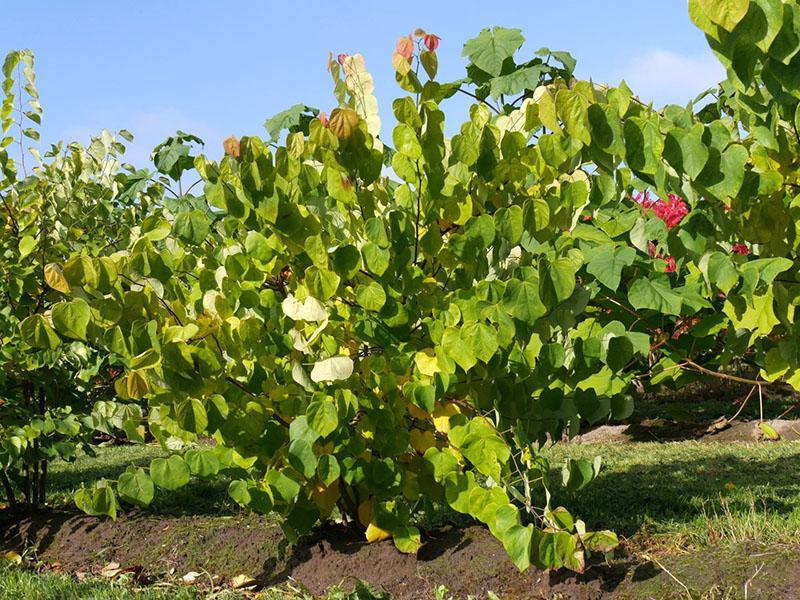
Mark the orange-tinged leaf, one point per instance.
(405, 47)
(231, 145)
(343, 122)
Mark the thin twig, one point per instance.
(667, 571)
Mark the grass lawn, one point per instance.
(662, 498)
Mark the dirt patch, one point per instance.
(468, 561)
(664, 430)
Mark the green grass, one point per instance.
(19, 584)
(654, 493)
(16, 584)
(200, 497)
(700, 494)
(663, 498)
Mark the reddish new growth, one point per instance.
(323, 118)
(341, 58)
(670, 260)
(671, 211)
(684, 325)
(405, 47)
(740, 249)
(431, 41)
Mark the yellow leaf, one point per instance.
(241, 581)
(325, 497)
(365, 512)
(416, 412)
(400, 63)
(136, 385)
(422, 440)
(442, 414)
(426, 362)
(343, 122)
(12, 557)
(55, 278)
(376, 534)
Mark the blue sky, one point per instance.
(221, 68)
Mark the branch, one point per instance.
(481, 100)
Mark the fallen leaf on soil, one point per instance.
(12, 558)
(241, 581)
(110, 570)
(718, 425)
(767, 432)
(190, 578)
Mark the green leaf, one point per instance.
(37, 333)
(655, 295)
(257, 246)
(490, 48)
(191, 415)
(71, 318)
(521, 300)
(371, 296)
(407, 539)
(323, 417)
(302, 458)
(203, 463)
(516, 82)
(454, 347)
(239, 492)
(557, 281)
(328, 469)
(290, 119)
(481, 339)
(79, 271)
(192, 227)
(170, 473)
(606, 264)
(136, 487)
(725, 13)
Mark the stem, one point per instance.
(10, 496)
(42, 483)
(21, 116)
(419, 210)
(481, 100)
(14, 224)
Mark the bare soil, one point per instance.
(665, 430)
(468, 561)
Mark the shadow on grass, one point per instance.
(675, 494)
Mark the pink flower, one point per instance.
(740, 249)
(670, 211)
(643, 199)
(652, 247)
(431, 41)
(670, 268)
(586, 218)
